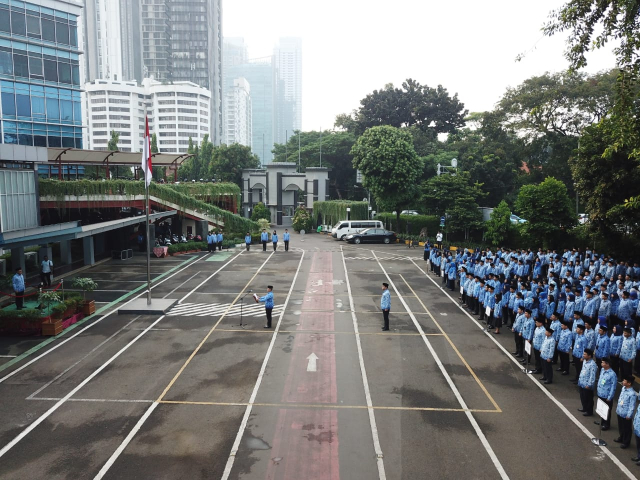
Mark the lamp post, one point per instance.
(575, 187)
(348, 213)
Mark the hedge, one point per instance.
(332, 211)
(418, 222)
(58, 189)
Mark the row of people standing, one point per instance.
(214, 240)
(264, 239)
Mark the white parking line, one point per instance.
(589, 434)
(456, 392)
(367, 393)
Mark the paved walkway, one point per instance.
(323, 395)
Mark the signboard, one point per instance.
(527, 347)
(602, 409)
(461, 290)
(442, 221)
(487, 311)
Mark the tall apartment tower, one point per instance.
(112, 42)
(237, 109)
(182, 41)
(287, 62)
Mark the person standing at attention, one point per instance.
(268, 304)
(211, 240)
(626, 405)
(219, 239)
(46, 270)
(274, 240)
(264, 238)
(385, 305)
(18, 288)
(285, 237)
(247, 240)
(439, 240)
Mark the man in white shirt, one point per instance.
(439, 240)
(46, 270)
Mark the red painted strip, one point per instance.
(318, 302)
(305, 446)
(318, 321)
(322, 262)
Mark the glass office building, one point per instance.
(40, 74)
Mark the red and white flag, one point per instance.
(146, 155)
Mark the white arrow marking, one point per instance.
(311, 366)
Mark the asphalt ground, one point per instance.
(325, 394)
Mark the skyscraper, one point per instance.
(112, 43)
(40, 77)
(287, 62)
(237, 108)
(182, 41)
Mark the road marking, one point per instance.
(8, 356)
(584, 429)
(65, 371)
(94, 400)
(455, 349)
(187, 280)
(247, 413)
(372, 417)
(456, 392)
(112, 459)
(48, 413)
(43, 344)
(215, 309)
(312, 364)
(60, 402)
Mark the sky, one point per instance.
(352, 47)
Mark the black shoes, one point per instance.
(547, 382)
(267, 326)
(384, 329)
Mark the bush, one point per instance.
(302, 220)
(261, 212)
(418, 222)
(264, 224)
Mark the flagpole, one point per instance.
(148, 248)
(147, 183)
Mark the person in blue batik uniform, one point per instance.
(285, 237)
(546, 354)
(268, 304)
(616, 345)
(247, 240)
(636, 431)
(586, 382)
(385, 305)
(626, 404)
(518, 324)
(606, 390)
(627, 353)
(219, 238)
(564, 346)
(603, 344)
(589, 333)
(538, 340)
(274, 240)
(264, 238)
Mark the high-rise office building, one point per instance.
(40, 76)
(176, 112)
(259, 74)
(287, 63)
(237, 107)
(182, 41)
(112, 40)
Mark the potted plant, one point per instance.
(51, 326)
(86, 285)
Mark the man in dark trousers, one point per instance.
(264, 238)
(18, 288)
(268, 304)
(385, 305)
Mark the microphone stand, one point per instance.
(241, 306)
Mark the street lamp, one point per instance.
(348, 213)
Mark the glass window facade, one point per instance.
(39, 76)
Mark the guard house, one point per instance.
(281, 189)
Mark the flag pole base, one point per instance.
(139, 306)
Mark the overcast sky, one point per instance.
(352, 47)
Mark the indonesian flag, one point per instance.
(146, 154)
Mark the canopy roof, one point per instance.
(75, 156)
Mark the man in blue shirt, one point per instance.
(564, 346)
(264, 238)
(546, 354)
(274, 240)
(247, 240)
(385, 306)
(606, 390)
(219, 239)
(603, 344)
(285, 237)
(18, 288)
(627, 353)
(586, 382)
(268, 304)
(626, 404)
(211, 241)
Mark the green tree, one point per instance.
(260, 211)
(389, 165)
(228, 161)
(499, 226)
(302, 220)
(336, 154)
(154, 144)
(547, 209)
(429, 109)
(440, 193)
(113, 141)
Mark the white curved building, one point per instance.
(176, 111)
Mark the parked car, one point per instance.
(583, 218)
(372, 235)
(347, 227)
(409, 212)
(516, 219)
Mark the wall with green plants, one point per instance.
(59, 189)
(332, 211)
(418, 222)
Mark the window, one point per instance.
(98, 117)
(50, 70)
(6, 63)
(191, 95)
(64, 72)
(119, 109)
(119, 100)
(8, 104)
(166, 110)
(100, 140)
(33, 26)
(23, 104)
(188, 127)
(120, 125)
(100, 133)
(66, 110)
(5, 20)
(48, 30)
(99, 109)
(99, 100)
(73, 35)
(167, 102)
(20, 65)
(35, 67)
(186, 119)
(165, 94)
(18, 23)
(118, 94)
(186, 102)
(168, 142)
(62, 33)
(37, 108)
(188, 110)
(53, 110)
(99, 125)
(119, 117)
(167, 119)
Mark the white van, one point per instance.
(347, 227)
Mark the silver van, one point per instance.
(346, 227)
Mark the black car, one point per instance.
(372, 235)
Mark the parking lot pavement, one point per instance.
(206, 392)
